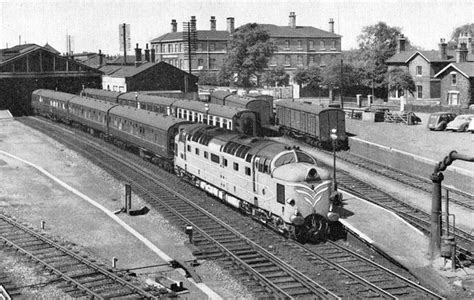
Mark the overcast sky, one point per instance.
(93, 24)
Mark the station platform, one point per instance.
(5, 114)
(391, 235)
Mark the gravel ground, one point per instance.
(31, 197)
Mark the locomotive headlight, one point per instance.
(290, 201)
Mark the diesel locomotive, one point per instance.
(279, 185)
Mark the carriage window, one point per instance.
(247, 171)
(215, 158)
(236, 166)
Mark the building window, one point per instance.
(321, 45)
(453, 79)
(272, 61)
(311, 45)
(419, 70)
(199, 47)
(212, 63)
(287, 60)
(176, 47)
(200, 62)
(453, 98)
(300, 45)
(170, 48)
(333, 45)
(300, 60)
(419, 92)
(287, 45)
(212, 47)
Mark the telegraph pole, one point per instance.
(124, 44)
(342, 100)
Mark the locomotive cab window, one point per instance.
(280, 193)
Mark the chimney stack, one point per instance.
(443, 54)
(230, 25)
(101, 58)
(331, 25)
(174, 25)
(147, 54)
(401, 43)
(138, 55)
(153, 59)
(461, 53)
(292, 20)
(213, 23)
(193, 23)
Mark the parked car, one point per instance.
(460, 123)
(439, 120)
(470, 128)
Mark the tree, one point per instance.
(248, 55)
(377, 43)
(400, 80)
(466, 28)
(208, 78)
(310, 76)
(276, 77)
(331, 75)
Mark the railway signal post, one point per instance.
(334, 139)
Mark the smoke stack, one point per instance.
(230, 25)
(153, 59)
(331, 25)
(213, 23)
(461, 53)
(401, 43)
(138, 55)
(292, 20)
(174, 25)
(443, 54)
(147, 54)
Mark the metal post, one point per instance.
(342, 100)
(447, 212)
(114, 262)
(334, 138)
(128, 198)
(124, 45)
(435, 241)
(42, 224)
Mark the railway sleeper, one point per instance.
(293, 288)
(52, 259)
(256, 260)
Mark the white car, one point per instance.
(460, 123)
(471, 126)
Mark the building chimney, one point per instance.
(461, 53)
(230, 25)
(153, 59)
(193, 23)
(174, 25)
(443, 54)
(147, 54)
(401, 43)
(331, 25)
(213, 23)
(101, 58)
(138, 55)
(292, 20)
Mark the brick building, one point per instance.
(296, 46)
(25, 68)
(423, 67)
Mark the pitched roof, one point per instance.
(299, 31)
(201, 35)
(119, 60)
(8, 53)
(51, 49)
(130, 70)
(465, 68)
(430, 56)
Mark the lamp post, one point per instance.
(206, 108)
(334, 138)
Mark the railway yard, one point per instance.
(66, 189)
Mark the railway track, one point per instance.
(265, 273)
(416, 217)
(74, 274)
(455, 196)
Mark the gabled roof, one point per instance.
(131, 70)
(9, 53)
(430, 56)
(465, 68)
(51, 49)
(299, 31)
(202, 35)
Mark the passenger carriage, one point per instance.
(110, 96)
(52, 104)
(92, 114)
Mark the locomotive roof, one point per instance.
(214, 109)
(92, 103)
(102, 92)
(303, 106)
(54, 94)
(236, 144)
(145, 117)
